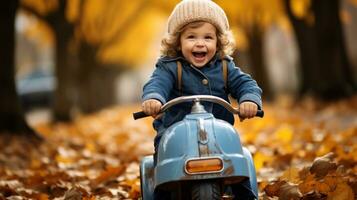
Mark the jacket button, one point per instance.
(204, 81)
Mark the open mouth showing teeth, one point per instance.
(199, 54)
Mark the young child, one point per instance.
(199, 38)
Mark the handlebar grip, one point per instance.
(260, 113)
(138, 115)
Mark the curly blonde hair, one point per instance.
(170, 44)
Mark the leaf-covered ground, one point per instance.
(302, 150)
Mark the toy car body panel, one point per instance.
(199, 136)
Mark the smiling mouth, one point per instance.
(199, 54)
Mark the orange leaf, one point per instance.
(289, 191)
(342, 192)
(322, 165)
(107, 174)
(272, 189)
(291, 175)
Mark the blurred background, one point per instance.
(73, 57)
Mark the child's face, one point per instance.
(199, 44)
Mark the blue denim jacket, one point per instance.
(207, 80)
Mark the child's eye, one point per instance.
(190, 37)
(209, 37)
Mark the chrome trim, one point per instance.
(202, 134)
(197, 107)
(204, 158)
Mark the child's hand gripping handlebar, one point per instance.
(209, 98)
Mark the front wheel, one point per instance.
(205, 190)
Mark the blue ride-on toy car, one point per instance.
(200, 157)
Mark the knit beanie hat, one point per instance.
(188, 11)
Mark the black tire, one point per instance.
(205, 191)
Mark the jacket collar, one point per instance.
(172, 59)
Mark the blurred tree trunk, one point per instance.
(11, 116)
(95, 81)
(257, 59)
(96, 87)
(64, 67)
(325, 70)
(65, 70)
(334, 63)
(307, 50)
(80, 78)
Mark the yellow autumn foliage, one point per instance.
(42, 6)
(128, 31)
(300, 7)
(139, 42)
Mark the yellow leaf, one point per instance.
(284, 134)
(91, 147)
(260, 159)
(64, 159)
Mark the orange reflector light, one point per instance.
(206, 165)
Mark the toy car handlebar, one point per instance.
(139, 115)
(209, 98)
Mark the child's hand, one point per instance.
(151, 107)
(247, 110)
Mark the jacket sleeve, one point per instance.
(242, 86)
(160, 83)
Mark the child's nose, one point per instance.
(200, 42)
